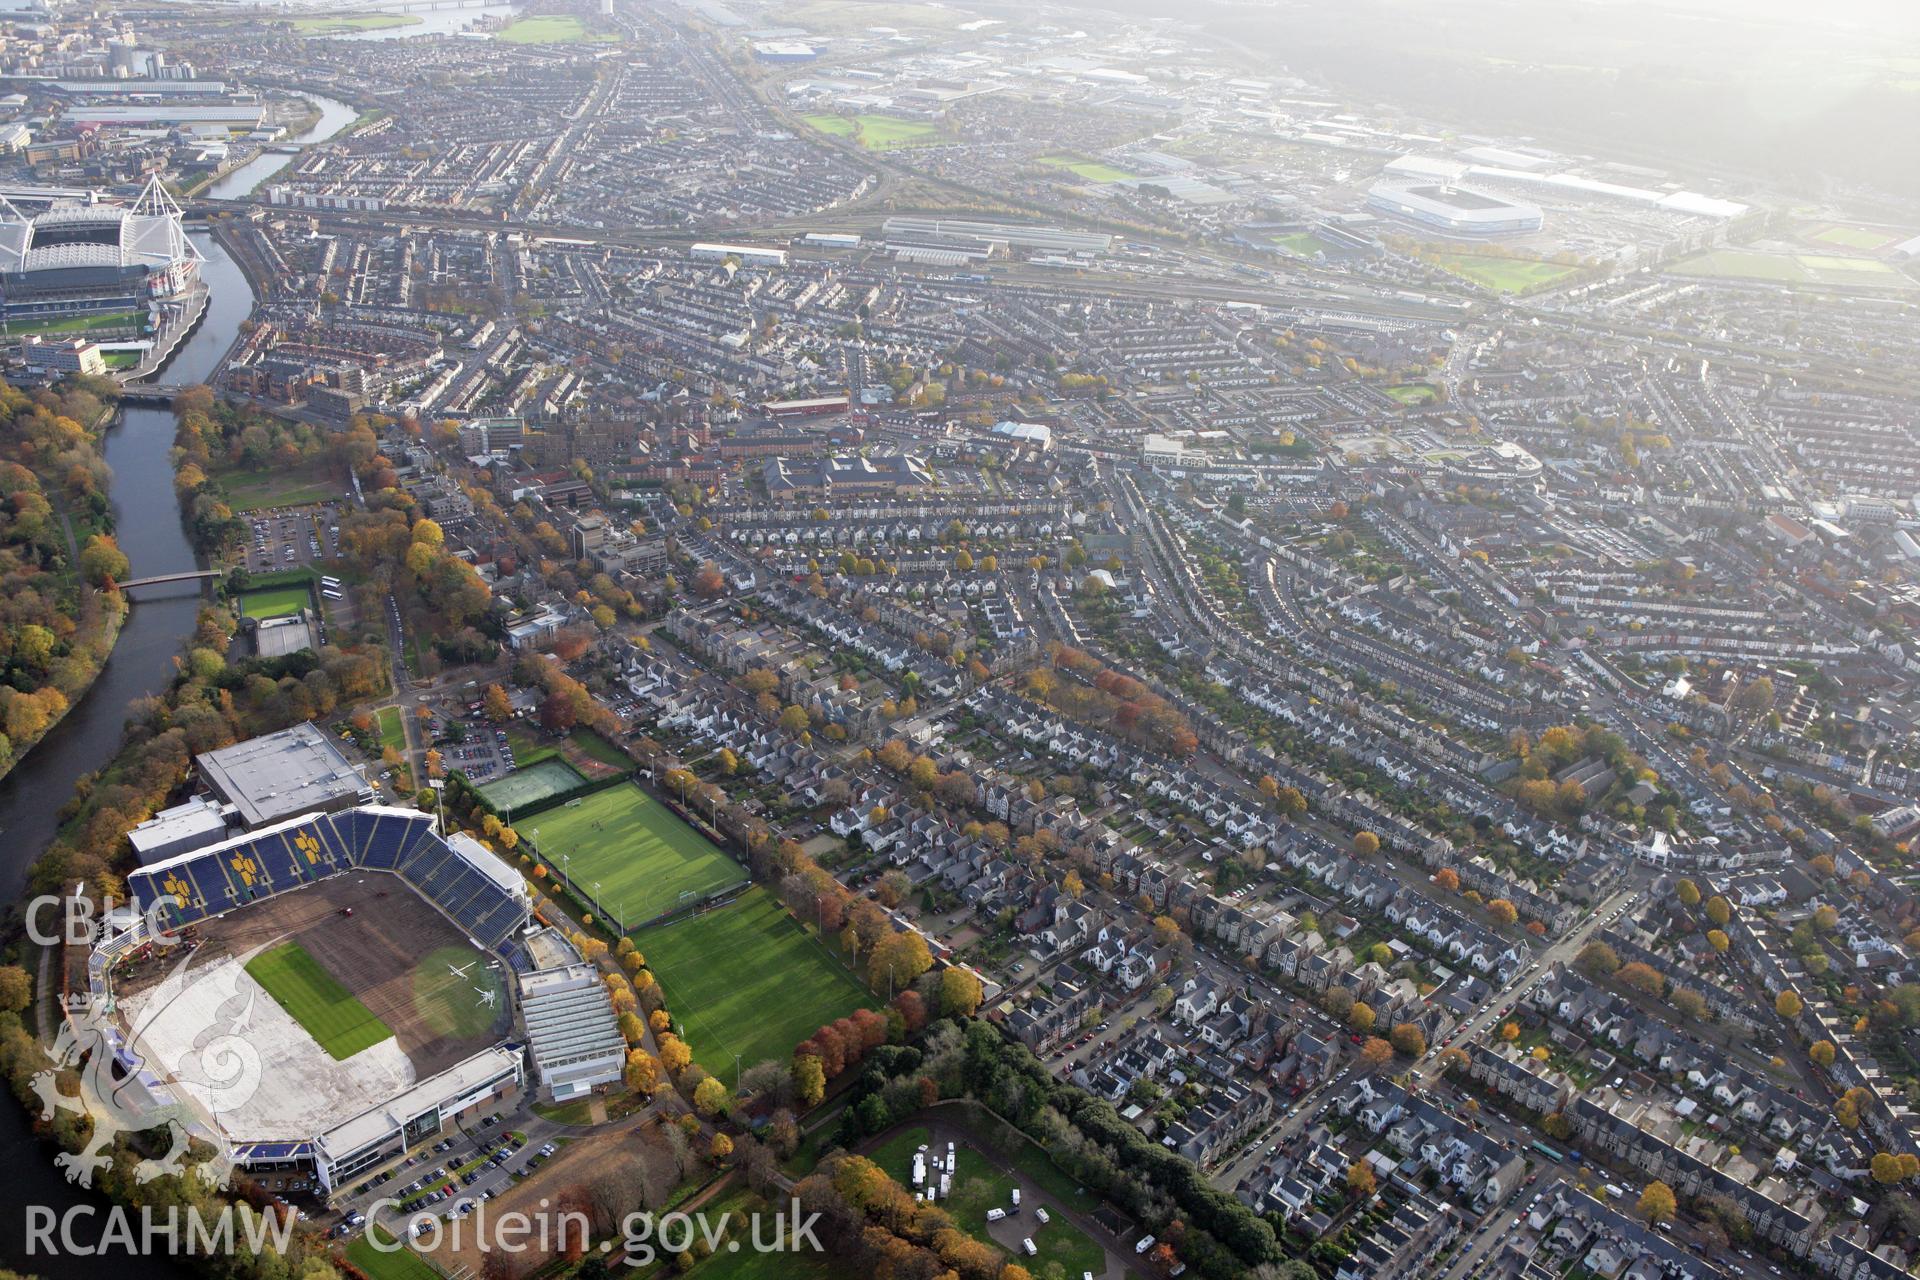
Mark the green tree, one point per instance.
(710, 1097)
(1657, 1203)
(960, 992)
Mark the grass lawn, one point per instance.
(550, 29)
(1414, 394)
(1091, 170)
(595, 747)
(298, 486)
(643, 857)
(80, 324)
(335, 23)
(274, 602)
(740, 1207)
(392, 732)
(528, 748)
(328, 1011)
(1854, 237)
(1789, 268)
(884, 133)
(747, 979)
(1502, 275)
(835, 126)
(531, 784)
(1303, 243)
(400, 1264)
(578, 1112)
(979, 1186)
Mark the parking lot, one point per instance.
(482, 755)
(290, 537)
(449, 1179)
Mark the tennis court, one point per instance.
(536, 782)
(643, 858)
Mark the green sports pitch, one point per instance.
(275, 602)
(316, 1000)
(629, 852)
(746, 979)
(455, 992)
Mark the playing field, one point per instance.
(275, 602)
(531, 784)
(1854, 237)
(456, 995)
(550, 29)
(79, 324)
(297, 486)
(746, 979)
(1791, 268)
(837, 126)
(1413, 393)
(333, 24)
(387, 1264)
(1091, 170)
(643, 859)
(328, 1011)
(1303, 243)
(1502, 275)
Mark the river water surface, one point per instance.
(242, 182)
(148, 524)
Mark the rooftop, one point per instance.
(297, 770)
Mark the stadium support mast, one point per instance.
(157, 202)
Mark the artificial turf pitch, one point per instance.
(643, 858)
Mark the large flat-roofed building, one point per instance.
(382, 1134)
(573, 1035)
(278, 775)
(847, 476)
(196, 824)
(75, 355)
(1454, 210)
(751, 255)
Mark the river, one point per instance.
(432, 22)
(147, 522)
(242, 182)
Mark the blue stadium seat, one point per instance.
(351, 829)
(332, 853)
(496, 924)
(419, 828)
(278, 861)
(428, 855)
(386, 840)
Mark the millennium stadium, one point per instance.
(74, 259)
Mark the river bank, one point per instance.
(142, 664)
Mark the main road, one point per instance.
(1561, 950)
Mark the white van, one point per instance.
(1146, 1243)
